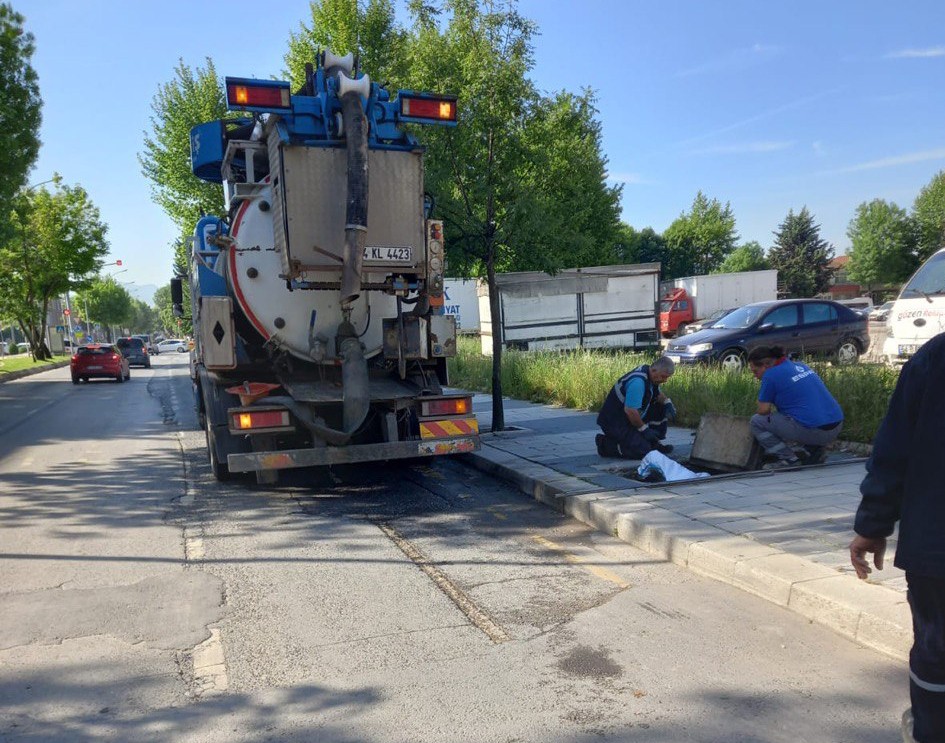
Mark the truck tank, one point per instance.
(317, 298)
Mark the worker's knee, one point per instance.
(759, 423)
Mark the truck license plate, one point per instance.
(389, 254)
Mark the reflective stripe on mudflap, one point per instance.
(443, 429)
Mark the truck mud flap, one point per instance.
(290, 458)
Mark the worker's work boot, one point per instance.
(815, 454)
(664, 448)
(606, 447)
(907, 726)
(782, 464)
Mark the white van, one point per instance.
(919, 312)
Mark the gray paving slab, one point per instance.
(781, 535)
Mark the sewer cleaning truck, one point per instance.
(318, 296)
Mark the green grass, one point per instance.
(581, 380)
(9, 364)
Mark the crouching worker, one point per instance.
(634, 415)
(806, 411)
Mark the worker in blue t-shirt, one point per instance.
(634, 415)
(806, 411)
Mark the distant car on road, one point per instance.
(135, 351)
(99, 360)
(818, 327)
(881, 313)
(172, 344)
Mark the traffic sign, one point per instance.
(67, 312)
(60, 328)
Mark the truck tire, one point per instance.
(218, 466)
(732, 360)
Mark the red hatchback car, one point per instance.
(99, 360)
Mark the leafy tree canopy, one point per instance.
(645, 246)
(883, 244)
(192, 97)
(801, 256)
(21, 107)
(698, 241)
(929, 214)
(748, 256)
(106, 301)
(166, 320)
(57, 239)
(346, 26)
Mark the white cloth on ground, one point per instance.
(669, 468)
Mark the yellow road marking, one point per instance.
(603, 573)
(495, 512)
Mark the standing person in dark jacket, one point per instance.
(634, 414)
(905, 482)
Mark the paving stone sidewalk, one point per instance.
(781, 535)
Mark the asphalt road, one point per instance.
(142, 600)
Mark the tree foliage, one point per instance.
(645, 246)
(345, 26)
(57, 238)
(20, 107)
(106, 302)
(192, 97)
(801, 256)
(176, 326)
(698, 241)
(883, 244)
(929, 214)
(749, 256)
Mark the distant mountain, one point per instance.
(142, 292)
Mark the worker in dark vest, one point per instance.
(634, 414)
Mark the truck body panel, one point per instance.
(918, 314)
(598, 307)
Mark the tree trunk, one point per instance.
(498, 412)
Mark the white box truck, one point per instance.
(691, 298)
(599, 307)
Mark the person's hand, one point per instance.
(670, 410)
(661, 397)
(650, 435)
(859, 548)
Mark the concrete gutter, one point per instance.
(873, 615)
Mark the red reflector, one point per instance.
(116, 357)
(453, 406)
(261, 419)
(433, 109)
(261, 96)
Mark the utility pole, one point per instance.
(69, 323)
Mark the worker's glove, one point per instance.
(649, 434)
(670, 410)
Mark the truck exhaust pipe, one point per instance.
(356, 212)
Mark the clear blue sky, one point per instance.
(769, 106)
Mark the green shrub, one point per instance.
(581, 379)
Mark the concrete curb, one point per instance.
(872, 615)
(10, 376)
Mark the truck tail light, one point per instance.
(248, 420)
(446, 406)
(265, 95)
(425, 108)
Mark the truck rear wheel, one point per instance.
(218, 464)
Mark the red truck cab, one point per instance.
(675, 311)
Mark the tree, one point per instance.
(749, 256)
(929, 214)
(801, 256)
(500, 179)
(699, 241)
(143, 317)
(344, 26)
(192, 97)
(883, 244)
(107, 302)
(57, 238)
(645, 246)
(168, 322)
(21, 108)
